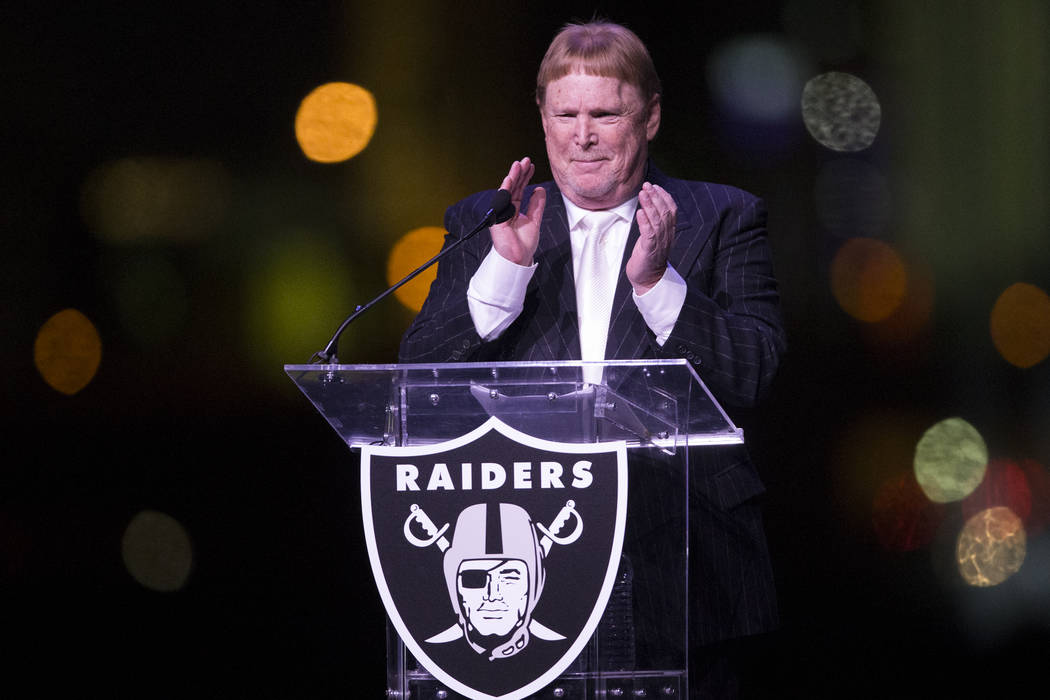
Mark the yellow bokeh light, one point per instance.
(157, 551)
(411, 251)
(335, 122)
(950, 460)
(991, 547)
(68, 351)
(1020, 325)
(868, 279)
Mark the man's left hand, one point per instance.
(656, 222)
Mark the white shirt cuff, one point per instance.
(496, 294)
(661, 305)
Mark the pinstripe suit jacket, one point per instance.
(729, 328)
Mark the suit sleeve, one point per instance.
(730, 326)
(444, 331)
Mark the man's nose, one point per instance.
(492, 591)
(583, 132)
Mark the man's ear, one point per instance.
(652, 121)
(543, 117)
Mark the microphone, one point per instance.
(500, 209)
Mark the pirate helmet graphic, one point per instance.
(494, 573)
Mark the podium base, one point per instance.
(655, 685)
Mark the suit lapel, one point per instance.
(628, 336)
(561, 339)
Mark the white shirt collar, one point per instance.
(624, 211)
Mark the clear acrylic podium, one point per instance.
(660, 408)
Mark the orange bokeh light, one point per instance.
(868, 279)
(1020, 325)
(411, 251)
(911, 317)
(335, 122)
(68, 351)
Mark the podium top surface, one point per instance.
(645, 402)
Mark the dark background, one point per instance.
(190, 413)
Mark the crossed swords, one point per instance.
(551, 534)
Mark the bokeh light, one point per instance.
(298, 290)
(868, 279)
(872, 450)
(756, 77)
(991, 547)
(1020, 325)
(950, 460)
(841, 111)
(1004, 484)
(903, 518)
(157, 551)
(174, 199)
(1038, 479)
(755, 82)
(412, 250)
(68, 351)
(908, 320)
(335, 122)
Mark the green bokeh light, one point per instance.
(298, 291)
(950, 460)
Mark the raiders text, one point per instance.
(493, 476)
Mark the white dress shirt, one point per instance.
(496, 293)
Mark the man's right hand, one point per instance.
(516, 239)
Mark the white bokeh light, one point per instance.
(758, 78)
(841, 111)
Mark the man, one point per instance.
(494, 581)
(689, 273)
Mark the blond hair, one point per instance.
(598, 48)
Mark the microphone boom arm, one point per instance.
(501, 210)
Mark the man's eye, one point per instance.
(473, 579)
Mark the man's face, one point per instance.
(598, 132)
(494, 593)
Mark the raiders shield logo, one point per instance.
(495, 553)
